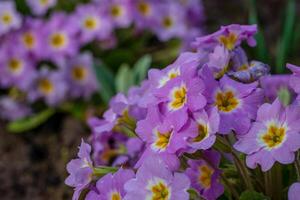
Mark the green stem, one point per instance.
(103, 170)
(297, 166)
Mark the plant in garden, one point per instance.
(210, 125)
(49, 57)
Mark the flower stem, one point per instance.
(297, 166)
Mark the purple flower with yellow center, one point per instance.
(48, 85)
(274, 136)
(9, 18)
(144, 13)
(170, 21)
(80, 76)
(295, 78)
(194, 12)
(80, 170)
(111, 186)
(228, 36)
(155, 181)
(294, 191)
(219, 61)
(206, 125)
(17, 69)
(92, 22)
(59, 37)
(235, 101)
(120, 12)
(40, 7)
(245, 71)
(180, 96)
(205, 175)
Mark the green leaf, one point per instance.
(286, 40)
(262, 52)
(106, 81)
(284, 96)
(124, 79)
(141, 67)
(30, 123)
(252, 195)
(100, 171)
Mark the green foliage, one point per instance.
(124, 79)
(31, 122)
(140, 68)
(252, 195)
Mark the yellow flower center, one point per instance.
(91, 23)
(6, 18)
(274, 136)
(144, 8)
(167, 22)
(206, 173)
(160, 191)
(226, 101)
(162, 140)
(116, 11)
(179, 98)
(116, 196)
(58, 40)
(15, 66)
(202, 133)
(44, 2)
(171, 74)
(228, 41)
(28, 40)
(79, 73)
(45, 86)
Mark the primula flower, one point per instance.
(295, 78)
(235, 102)
(154, 181)
(111, 186)
(120, 12)
(228, 36)
(13, 109)
(48, 85)
(205, 175)
(206, 125)
(294, 191)
(80, 76)
(92, 22)
(80, 170)
(40, 7)
(274, 136)
(9, 18)
(144, 13)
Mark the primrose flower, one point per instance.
(48, 85)
(206, 125)
(235, 101)
(92, 22)
(40, 7)
(120, 12)
(154, 181)
(228, 36)
(80, 76)
(144, 13)
(111, 186)
(80, 170)
(9, 18)
(295, 78)
(13, 109)
(294, 191)
(274, 136)
(205, 175)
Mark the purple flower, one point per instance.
(294, 191)
(48, 85)
(219, 61)
(120, 12)
(228, 36)
(144, 13)
(235, 102)
(13, 109)
(92, 22)
(111, 186)
(154, 181)
(274, 136)
(206, 125)
(205, 175)
(295, 78)
(40, 7)
(80, 170)
(9, 18)
(80, 76)
(59, 37)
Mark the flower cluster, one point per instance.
(188, 122)
(43, 57)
